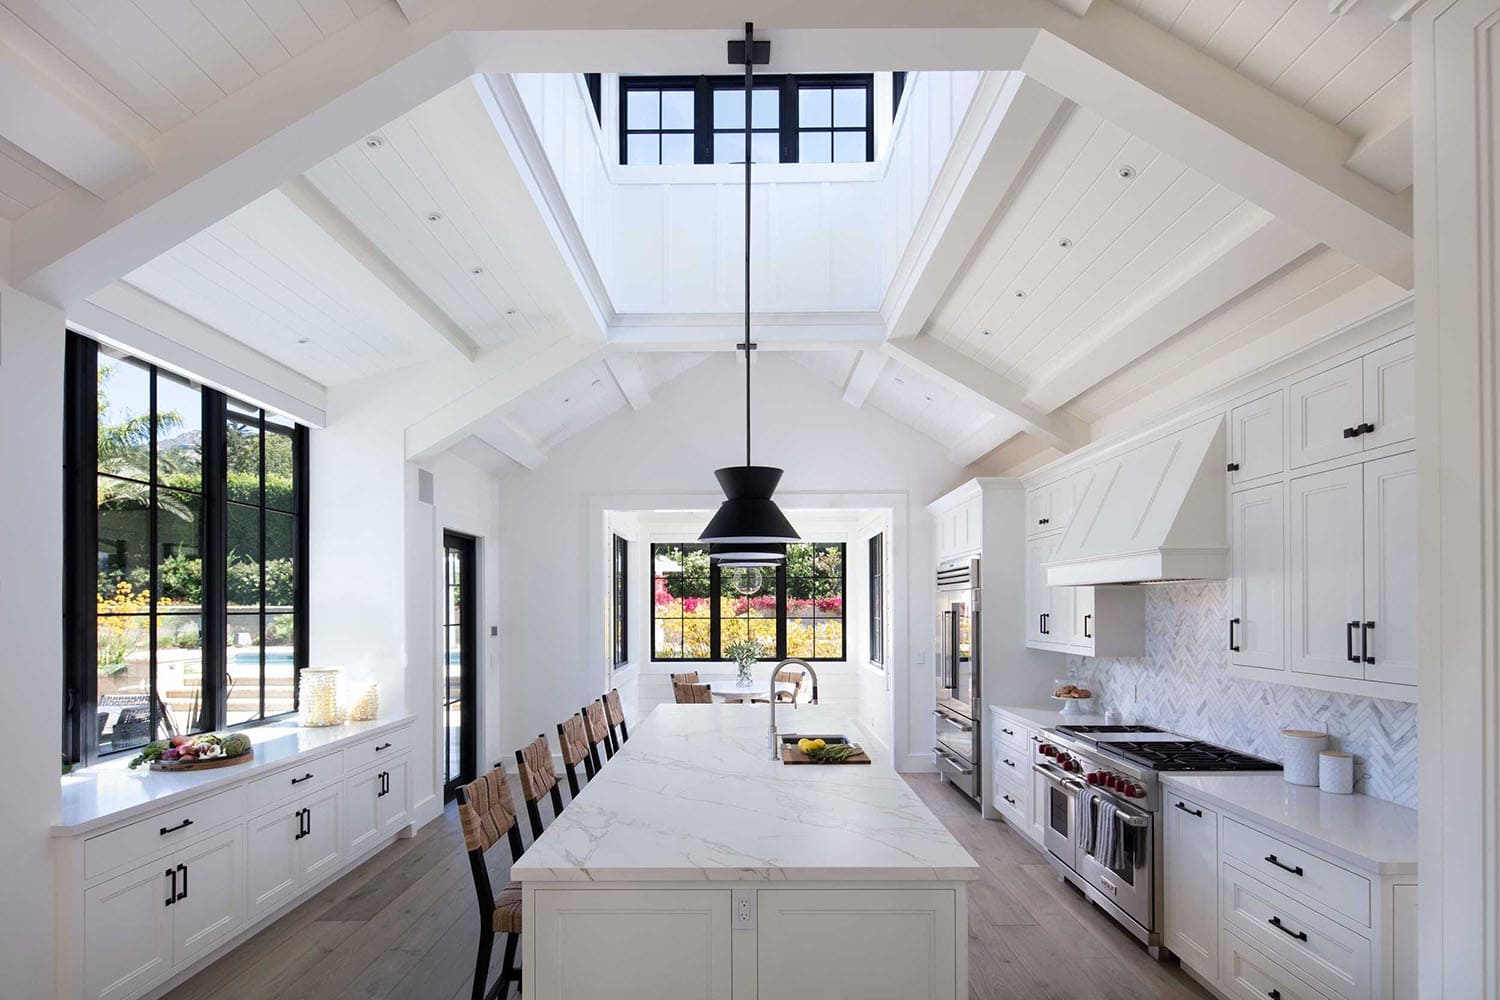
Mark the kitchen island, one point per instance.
(694, 866)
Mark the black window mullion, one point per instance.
(703, 121)
(303, 526)
(714, 578)
(265, 549)
(213, 545)
(152, 573)
(781, 610)
(80, 543)
(788, 120)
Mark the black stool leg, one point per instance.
(508, 971)
(482, 964)
(572, 780)
(557, 802)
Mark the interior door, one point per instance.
(1327, 578)
(1388, 633)
(460, 641)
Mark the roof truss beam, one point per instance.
(862, 377)
(626, 371)
(504, 436)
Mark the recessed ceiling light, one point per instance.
(434, 216)
(899, 380)
(374, 141)
(304, 340)
(928, 398)
(986, 333)
(595, 382)
(567, 399)
(1020, 293)
(511, 311)
(476, 270)
(1127, 171)
(1064, 242)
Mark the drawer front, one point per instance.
(1326, 954)
(1011, 764)
(1010, 799)
(1305, 875)
(1012, 736)
(377, 749)
(299, 779)
(1246, 974)
(161, 832)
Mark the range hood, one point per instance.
(1153, 513)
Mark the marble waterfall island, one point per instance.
(695, 866)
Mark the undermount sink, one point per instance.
(790, 739)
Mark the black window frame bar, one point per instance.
(876, 576)
(619, 600)
(80, 743)
(788, 126)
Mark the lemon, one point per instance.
(818, 744)
(805, 744)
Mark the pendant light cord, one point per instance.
(749, 89)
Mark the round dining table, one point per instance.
(728, 691)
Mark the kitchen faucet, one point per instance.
(793, 660)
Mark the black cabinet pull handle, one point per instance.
(1233, 646)
(1190, 812)
(300, 831)
(172, 892)
(383, 746)
(1044, 520)
(1364, 641)
(1008, 762)
(1351, 432)
(172, 829)
(305, 777)
(1086, 633)
(1045, 629)
(307, 822)
(1274, 994)
(1276, 923)
(1367, 428)
(1349, 641)
(1233, 467)
(1036, 739)
(1008, 799)
(183, 893)
(1294, 869)
(1008, 732)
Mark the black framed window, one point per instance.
(185, 556)
(822, 118)
(619, 601)
(877, 598)
(796, 609)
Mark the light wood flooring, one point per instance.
(403, 926)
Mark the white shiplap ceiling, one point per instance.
(25, 182)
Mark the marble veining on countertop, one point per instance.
(110, 793)
(695, 796)
(1370, 833)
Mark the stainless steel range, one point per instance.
(1103, 829)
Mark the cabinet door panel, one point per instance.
(272, 859)
(127, 935)
(395, 812)
(1037, 521)
(1255, 438)
(678, 944)
(1038, 810)
(1327, 571)
(890, 944)
(1320, 408)
(1391, 570)
(210, 901)
(1257, 592)
(1081, 617)
(322, 849)
(1391, 394)
(362, 810)
(1192, 902)
(1038, 601)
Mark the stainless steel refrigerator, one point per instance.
(959, 711)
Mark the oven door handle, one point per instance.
(952, 759)
(1057, 778)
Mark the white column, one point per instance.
(1456, 120)
(31, 665)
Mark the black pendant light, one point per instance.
(748, 529)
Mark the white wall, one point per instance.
(31, 435)
(671, 447)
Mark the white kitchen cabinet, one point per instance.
(1404, 944)
(1327, 572)
(378, 803)
(321, 849)
(1191, 857)
(1050, 506)
(1037, 814)
(958, 530)
(128, 927)
(291, 847)
(1088, 621)
(1324, 412)
(1256, 441)
(395, 808)
(1257, 593)
(1388, 630)
(1081, 618)
(1390, 403)
(1038, 594)
(210, 895)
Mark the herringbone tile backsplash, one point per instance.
(1182, 684)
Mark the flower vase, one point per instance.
(745, 679)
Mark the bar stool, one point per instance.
(487, 813)
(574, 740)
(614, 714)
(597, 729)
(534, 766)
(692, 694)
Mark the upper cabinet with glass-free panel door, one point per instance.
(1256, 440)
(1388, 630)
(1358, 406)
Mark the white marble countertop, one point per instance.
(1367, 832)
(110, 793)
(1047, 716)
(695, 796)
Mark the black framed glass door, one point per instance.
(460, 640)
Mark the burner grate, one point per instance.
(1190, 755)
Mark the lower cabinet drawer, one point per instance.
(1327, 954)
(1246, 974)
(164, 831)
(1012, 736)
(291, 782)
(1010, 764)
(1010, 801)
(377, 749)
(1286, 866)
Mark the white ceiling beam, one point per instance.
(1077, 8)
(1004, 128)
(1221, 123)
(413, 9)
(326, 216)
(984, 439)
(989, 389)
(626, 371)
(51, 124)
(1394, 10)
(1249, 251)
(810, 331)
(867, 368)
(503, 435)
(1384, 153)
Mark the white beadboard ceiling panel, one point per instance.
(25, 181)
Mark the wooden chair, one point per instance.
(692, 694)
(534, 766)
(614, 714)
(573, 738)
(596, 728)
(691, 677)
(795, 677)
(487, 813)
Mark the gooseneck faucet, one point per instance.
(811, 673)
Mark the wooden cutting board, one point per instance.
(202, 765)
(791, 755)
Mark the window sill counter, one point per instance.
(108, 794)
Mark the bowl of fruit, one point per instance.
(195, 753)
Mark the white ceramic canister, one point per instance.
(1336, 772)
(1299, 755)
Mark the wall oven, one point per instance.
(958, 713)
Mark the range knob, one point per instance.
(1136, 792)
(1045, 750)
(1094, 777)
(1072, 765)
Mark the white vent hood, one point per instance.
(1155, 512)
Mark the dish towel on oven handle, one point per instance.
(1109, 841)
